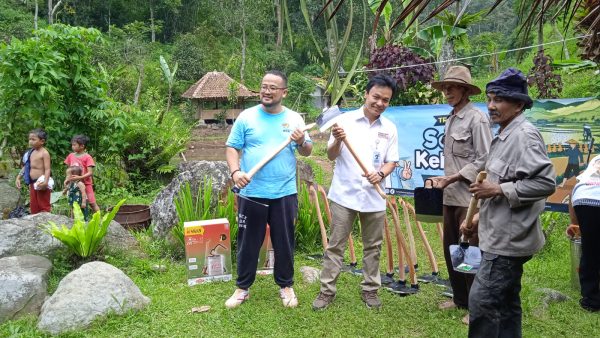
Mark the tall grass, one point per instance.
(201, 206)
(308, 236)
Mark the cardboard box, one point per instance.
(266, 256)
(207, 251)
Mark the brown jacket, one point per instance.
(466, 146)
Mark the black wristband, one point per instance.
(380, 173)
(233, 172)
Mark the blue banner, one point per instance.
(568, 127)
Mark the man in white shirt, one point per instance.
(352, 193)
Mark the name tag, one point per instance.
(383, 135)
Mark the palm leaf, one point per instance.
(340, 50)
(356, 60)
(306, 16)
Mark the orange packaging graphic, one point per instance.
(207, 251)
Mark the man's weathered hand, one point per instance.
(440, 182)
(468, 232)
(485, 189)
(298, 136)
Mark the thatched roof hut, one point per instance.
(211, 96)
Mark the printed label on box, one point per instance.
(208, 251)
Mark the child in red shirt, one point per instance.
(80, 158)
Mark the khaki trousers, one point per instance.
(372, 236)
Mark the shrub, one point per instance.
(548, 84)
(83, 239)
(411, 81)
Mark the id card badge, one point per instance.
(376, 159)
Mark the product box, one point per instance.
(207, 251)
(266, 256)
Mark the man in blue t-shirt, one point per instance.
(270, 196)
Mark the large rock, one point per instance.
(164, 215)
(22, 236)
(23, 285)
(88, 293)
(9, 197)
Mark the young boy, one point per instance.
(36, 163)
(80, 158)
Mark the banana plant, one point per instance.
(170, 77)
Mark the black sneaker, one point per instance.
(402, 290)
(371, 299)
(428, 278)
(387, 279)
(322, 301)
(445, 283)
(395, 285)
(448, 292)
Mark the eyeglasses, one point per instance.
(265, 88)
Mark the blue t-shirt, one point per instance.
(258, 133)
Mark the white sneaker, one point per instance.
(238, 297)
(288, 297)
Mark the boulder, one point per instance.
(23, 285)
(88, 293)
(22, 236)
(164, 215)
(9, 197)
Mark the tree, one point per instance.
(51, 81)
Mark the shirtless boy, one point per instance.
(39, 164)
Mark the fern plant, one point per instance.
(83, 239)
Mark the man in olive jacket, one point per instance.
(520, 178)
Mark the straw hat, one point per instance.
(572, 141)
(458, 75)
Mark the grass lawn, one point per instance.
(263, 315)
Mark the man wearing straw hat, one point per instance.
(520, 177)
(466, 145)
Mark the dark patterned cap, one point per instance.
(511, 84)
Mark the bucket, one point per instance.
(575, 258)
(133, 216)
